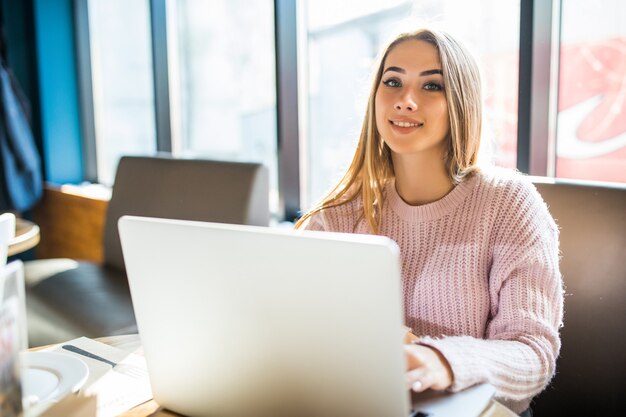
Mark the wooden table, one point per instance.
(26, 237)
(132, 344)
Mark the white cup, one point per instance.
(7, 233)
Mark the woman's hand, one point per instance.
(409, 337)
(426, 368)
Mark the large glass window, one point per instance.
(121, 63)
(341, 47)
(591, 129)
(222, 81)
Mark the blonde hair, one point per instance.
(371, 167)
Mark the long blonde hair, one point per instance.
(371, 167)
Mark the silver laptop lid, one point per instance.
(244, 320)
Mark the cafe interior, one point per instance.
(245, 112)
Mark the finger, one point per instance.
(413, 379)
(410, 338)
(414, 356)
(419, 379)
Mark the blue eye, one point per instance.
(392, 82)
(433, 87)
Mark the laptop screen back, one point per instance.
(243, 320)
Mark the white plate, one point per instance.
(48, 377)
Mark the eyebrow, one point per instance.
(423, 73)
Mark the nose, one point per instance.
(406, 102)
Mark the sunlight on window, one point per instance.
(121, 63)
(223, 81)
(341, 47)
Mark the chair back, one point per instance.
(186, 189)
(7, 232)
(591, 369)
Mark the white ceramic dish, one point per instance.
(48, 377)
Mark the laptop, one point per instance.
(255, 321)
(243, 320)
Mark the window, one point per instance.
(343, 45)
(123, 92)
(222, 81)
(221, 76)
(591, 129)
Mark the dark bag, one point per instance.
(20, 166)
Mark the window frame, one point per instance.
(537, 92)
(538, 86)
(160, 70)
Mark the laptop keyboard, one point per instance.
(417, 413)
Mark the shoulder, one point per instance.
(516, 199)
(339, 218)
(503, 179)
(509, 186)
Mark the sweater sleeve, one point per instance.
(521, 343)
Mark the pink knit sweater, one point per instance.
(481, 280)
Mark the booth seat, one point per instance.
(591, 369)
(69, 298)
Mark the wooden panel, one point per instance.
(71, 224)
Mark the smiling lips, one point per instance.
(405, 126)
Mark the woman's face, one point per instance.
(411, 106)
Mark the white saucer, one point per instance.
(48, 377)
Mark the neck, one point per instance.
(421, 179)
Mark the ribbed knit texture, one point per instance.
(480, 276)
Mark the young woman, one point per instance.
(480, 257)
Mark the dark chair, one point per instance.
(67, 299)
(591, 369)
